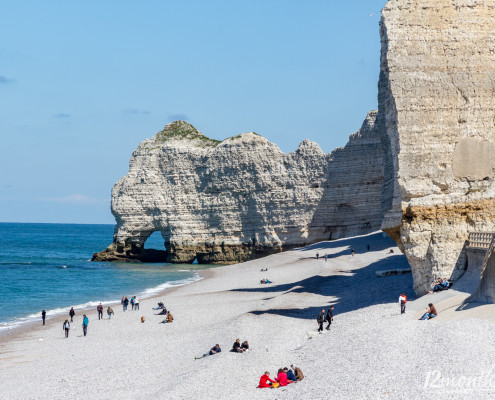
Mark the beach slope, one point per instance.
(370, 352)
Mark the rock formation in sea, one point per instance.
(437, 114)
(242, 198)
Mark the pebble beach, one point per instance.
(370, 352)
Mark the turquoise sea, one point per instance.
(46, 266)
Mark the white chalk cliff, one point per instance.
(229, 201)
(437, 114)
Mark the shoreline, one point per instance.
(28, 326)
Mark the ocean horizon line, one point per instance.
(54, 223)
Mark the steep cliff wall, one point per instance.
(243, 198)
(437, 110)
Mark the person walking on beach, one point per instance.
(402, 302)
(329, 317)
(321, 320)
(326, 256)
(109, 312)
(66, 328)
(85, 324)
(136, 303)
(100, 311)
(132, 303)
(317, 255)
(71, 314)
(126, 303)
(43, 316)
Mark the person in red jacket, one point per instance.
(282, 378)
(264, 380)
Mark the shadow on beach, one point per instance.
(357, 289)
(377, 242)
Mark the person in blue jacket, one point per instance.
(214, 350)
(85, 324)
(290, 374)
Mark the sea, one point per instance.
(47, 266)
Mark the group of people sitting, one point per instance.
(284, 377)
(168, 315)
(236, 348)
(440, 284)
(240, 348)
(265, 281)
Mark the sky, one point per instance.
(83, 83)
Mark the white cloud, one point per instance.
(75, 198)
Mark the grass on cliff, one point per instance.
(181, 130)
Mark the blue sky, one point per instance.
(82, 83)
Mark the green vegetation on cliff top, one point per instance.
(178, 130)
(183, 130)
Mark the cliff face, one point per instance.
(229, 201)
(437, 111)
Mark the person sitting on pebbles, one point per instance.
(160, 306)
(297, 372)
(169, 319)
(237, 348)
(290, 374)
(163, 312)
(214, 350)
(245, 346)
(266, 382)
(282, 378)
(431, 312)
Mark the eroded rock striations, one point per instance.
(437, 113)
(229, 201)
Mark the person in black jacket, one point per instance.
(321, 320)
(99, 308)
(329, 317)
(72, 313)
(236, 348)
(43, 316)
